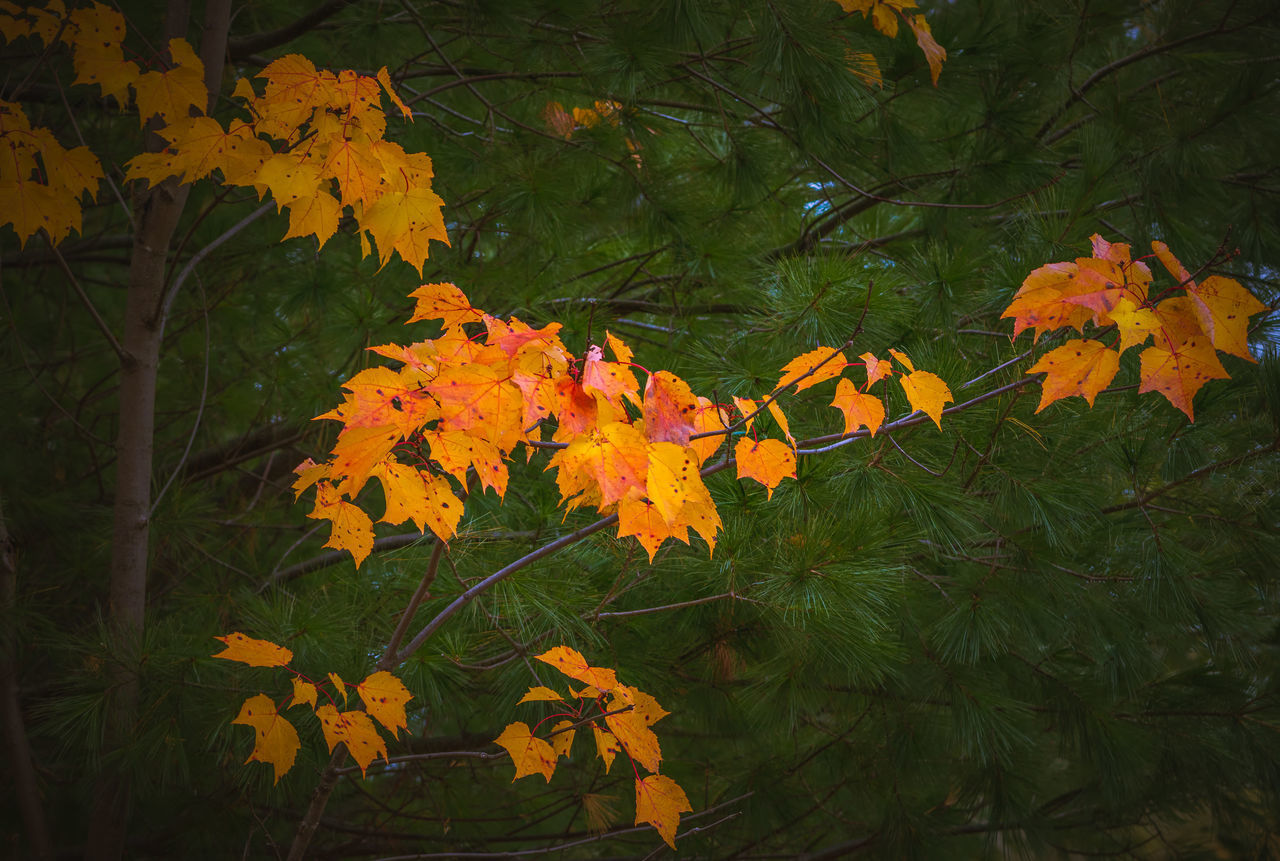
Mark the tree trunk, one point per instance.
(156, 214)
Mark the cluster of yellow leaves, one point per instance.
(275, 738)
(465, 400)
(1111, 289)
(620, 719)
(884, 15)
(564, 123)
(313, 139)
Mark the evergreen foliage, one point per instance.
(1027, 635)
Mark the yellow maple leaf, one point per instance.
(356, 731)
(530, 754)
(352, 528)
(255, 653)
(1078, 367)
(926, 392)
(171, 94)
(384, 697)
(768, 461)
(572, 664)
(659, 802)
(275, 741)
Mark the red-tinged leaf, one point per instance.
(352, 528)
(562, 738)
(659, 802)
(1178, 372)
(575, 410)
(255, 653)
(768, 461)
(1042, 300)
(383, 397)
(540, 694)
(482, 400)
(275, 741)
(614, 459)
(631, 731)
(304, 693)
(384, 697)
(607, 746)
(877, 369)
(926, 392)
(859, 410)
(1078, 367)
(641, 518)
(1223, 308)
(669, 408)
(934, 53)
(356, 731)
(558, 120)
(820, 364)
(356, 453)
(444, 302)
(573, 665)
(530, 754)
(610, 379)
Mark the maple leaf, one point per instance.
(540, 694)
(352, 528)
(255, 653)
(562, 738)
(643, 519)
(1223, 308)
(357, 451)
(672, 479)
(659, 802)
(669, 407)
(820, 365)
(481, 399)
(1134, 324)
(783, 424)
(926, 392)
(934, 53)
(1178, 372)
(859, 410)
(339, 686)
(275, 741)
(425, 498)
(384, 697)
(456, 451)
(768, 461)
(530, 754)
(607, 746)
(1078, 367)
(558, 120)
(381, 397)
(356, 731)
(632, 731)
(384, 78)
(877, 369)
(608, 464)
(610, 379)
(304, 693)
(572, 664)
(405, 221)
(172, 93)
(443, 301)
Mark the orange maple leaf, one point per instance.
(820, 365)
(255, 653)
(642, 518)
(275, 741)
(768, 461)
(1178, 371)
(858, 409)
(659, 802)
(352, 528)
(1078, 367)
(669, 407)
(425, 498)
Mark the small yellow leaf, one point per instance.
(659, 802)
(255, 653)
(530, 754)
(384, 697)
(275, 740)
